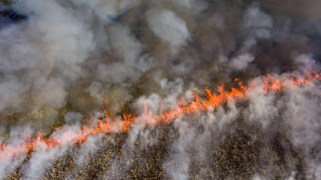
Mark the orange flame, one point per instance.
(112, 125)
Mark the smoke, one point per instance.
(66, 57)
(168, 27)
(241, 62)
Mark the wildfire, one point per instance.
(110, 125)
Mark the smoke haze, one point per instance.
(65, 57)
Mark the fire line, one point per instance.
(109, 125)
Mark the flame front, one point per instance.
(110, 125)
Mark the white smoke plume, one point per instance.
(168, 27)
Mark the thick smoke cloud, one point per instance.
(59, 64)
(168, 27)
